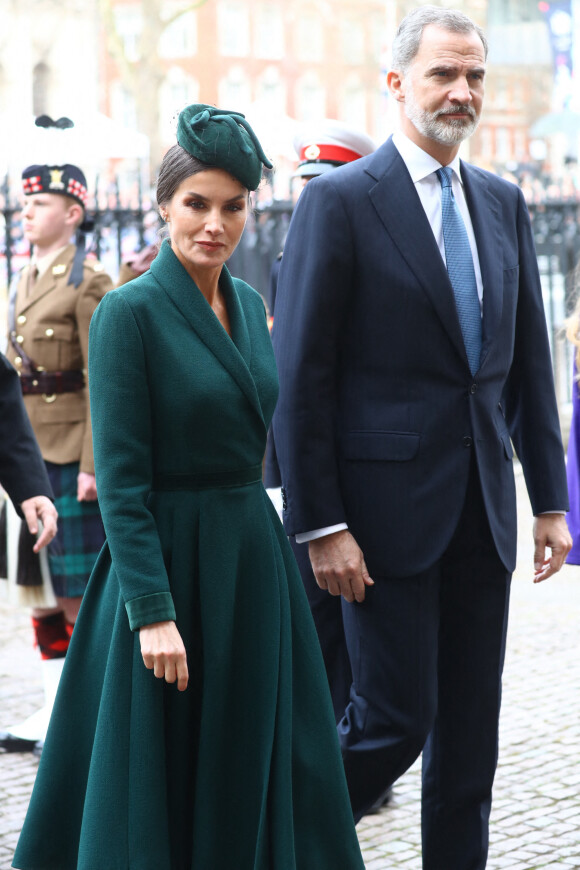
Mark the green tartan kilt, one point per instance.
(73, 552)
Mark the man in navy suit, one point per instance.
(22, 470)
(396, 447)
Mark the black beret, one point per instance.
(67, 180)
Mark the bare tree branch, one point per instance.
(143, 77)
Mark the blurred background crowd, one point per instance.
(100, 83)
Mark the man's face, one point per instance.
(46, 218)
(443, 88)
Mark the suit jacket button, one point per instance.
(473, 389)
(467, 441)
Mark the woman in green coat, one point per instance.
(193, 728)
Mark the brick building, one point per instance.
(278, 62)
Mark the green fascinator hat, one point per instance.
(224, 139)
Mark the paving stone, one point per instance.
(535, 820)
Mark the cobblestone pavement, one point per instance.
(536, 811)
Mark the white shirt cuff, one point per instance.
(275, 493)
(304, 537)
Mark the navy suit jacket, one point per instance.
(378, 415)
(22, 469)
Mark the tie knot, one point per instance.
(444, 175)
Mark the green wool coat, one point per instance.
(242, 771)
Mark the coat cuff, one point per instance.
(148, 609)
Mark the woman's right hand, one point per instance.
(164, 653)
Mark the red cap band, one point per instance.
(334, 153)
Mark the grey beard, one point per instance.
(447, 132)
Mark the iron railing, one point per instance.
(120, 228)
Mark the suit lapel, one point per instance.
(399, 208)
(486, 217)
(233, 353)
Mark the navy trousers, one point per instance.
(427, 655)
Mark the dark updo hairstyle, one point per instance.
(177, 165)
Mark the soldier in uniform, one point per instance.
(51, 304)
(321, 147)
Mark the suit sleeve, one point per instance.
(22, 469)
(91, 292)
(529, 396)
(121, 412)
(311, 305)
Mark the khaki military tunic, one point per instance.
(52, 327)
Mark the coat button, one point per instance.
(467, 441)
(20, 339)
(473, 389)
(21, 319)
(18, 361)
(49, 332)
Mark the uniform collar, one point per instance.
(44, 263)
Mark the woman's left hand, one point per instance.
(164, 653)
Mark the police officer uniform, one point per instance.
(51, 304)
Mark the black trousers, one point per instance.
(427, 655)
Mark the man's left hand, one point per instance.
(550, 531)
(86, 487)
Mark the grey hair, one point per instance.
(408, 36)
(177, 165)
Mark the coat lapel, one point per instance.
(233, 353)
(399, 208)
(486, 216)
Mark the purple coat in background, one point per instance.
(573, 472)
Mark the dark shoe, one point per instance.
(381, 802)
(10, 743)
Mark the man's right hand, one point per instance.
(39, 507)
(339, 565)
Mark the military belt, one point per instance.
(51, 383)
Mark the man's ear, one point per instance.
(396, 84)
(75, 214)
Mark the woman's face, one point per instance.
(206, 217)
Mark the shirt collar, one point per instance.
(418, 162)
(43, 263)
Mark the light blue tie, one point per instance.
(460, 270)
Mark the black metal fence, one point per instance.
(120, 229)
(117, 226)
(556, 229)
